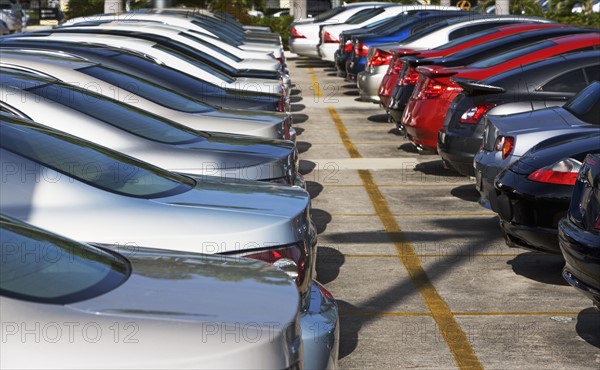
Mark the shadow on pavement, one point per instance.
(466, 192)
(542, 267)
(306, 166)
(297, 107)
(321, 219)
(300, 118)
(329, 263)
(378, 118)
(314, 189)
(303, 146)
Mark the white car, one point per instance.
(186, 22)
(169, 56)
(148, 137)
(304, 36)
(93, 194)
(329, 34)
(109, 307)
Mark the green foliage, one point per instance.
(80, 8)
(526, 7)
(280, 25)
(575, 19)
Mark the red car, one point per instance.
(434, 91)
(394, 71)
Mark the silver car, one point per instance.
(167, 55)
(78, 306)
(507, 138)
(93, 194)
(146, 95)
(143, 135)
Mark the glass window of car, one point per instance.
(569, 82)
(592, 73)
(463, 39)
(89, 163)
(586, 104)
(203, 66)
(363, 15)
(512, 54)
(147, 90)
(211, 46)
(328, 14)
(468, 30)
(117, 114)
(69, 272)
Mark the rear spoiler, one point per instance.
(404, 52)
(436, 71)
(473, 86)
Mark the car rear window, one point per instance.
(586, 104)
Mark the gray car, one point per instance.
(143, 94)
(507, 138)
(144, 135)
(93, 194)
(100, 307)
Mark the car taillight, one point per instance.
(395, 66)
(295, 34)
(348, 47)
(505, 144)
(361, 50)
(474, 114)
(410, 77)
(293, 260)
(329, 38)
(281, 105)
(597, 224)
(432, 89)
(563, 172)
(380, 58)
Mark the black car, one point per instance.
(579, 232)
(142, 66)
(534, 193)
(535, 86)
(468, 56)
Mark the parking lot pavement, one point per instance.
(420, 271)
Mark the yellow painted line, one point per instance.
(315, 83)
(375, 313)
(455, 337)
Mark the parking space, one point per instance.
(420, 271)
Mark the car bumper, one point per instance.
(304, 47)
(368, 86)
(581, 250)
(320, 330)
(485, 174)
(539, 239)
(327, 51)
(458, 151)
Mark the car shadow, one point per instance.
(588, 326)
(295, 99)
(299, 118)
(328, 265)
(408, 148)
(466, 192)
(306, 167)
(303, 146)
(321, 219)
(314, 189)
(378, 118)
(299, 130)
(542, 267)
(435, 168)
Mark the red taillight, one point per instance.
(348, 47)
(396, 67)
(292, 260)
(361, 50)
(474, 114)
(505, 144)
(597, 225)
(380, 58)
(563, 172)
(330, 39)
(410, 77)
(281, 105)
(295, 34)
(434, 89)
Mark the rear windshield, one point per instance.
(586, 104)
(70, 272)
(203, 66)
(211, 47)
(512, 54)
(89, 163)
(363, 15)
(328, 14)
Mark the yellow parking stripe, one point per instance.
(457, 341)
(315, 83)
(463, 314)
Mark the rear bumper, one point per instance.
(320, 330)
(459, 151)
(327, 51)
(304, 47)
(538, 239)
(581, 250)
(368, 86)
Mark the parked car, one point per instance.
(435, 91)
(134, 301)
(304, 36)
(54, 180)
(12, 16)
(403, 76)
(146, 136)
(170, 55)
(393, 36)
(535, 191)
(141, 66)
(579, 232)
(144, 95)
(547, 83)
(507, 138)
(193, 22)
